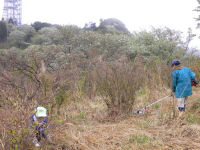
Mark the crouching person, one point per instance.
(39, 123)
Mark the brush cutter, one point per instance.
(144, 109)
(140, 111)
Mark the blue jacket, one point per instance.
(41, 126)
(181, 82)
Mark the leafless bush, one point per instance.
(27, 77)
(119, 83)
(195, 65)
(20, 75)
(159, 74)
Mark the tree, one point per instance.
(11, 21)
(198, 10)
(162, 43)
(90, 26)
(10, 28)
(16, 38)
(47, 36)
(39, 25)
(189, 38)
(112, 25)
(29, 32)
(3, 31)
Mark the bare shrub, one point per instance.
(27, 76)
(119, 82)
(159, 74)
(19, 74)
(195, 65)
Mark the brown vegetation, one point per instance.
(92, 83)
(93, 108)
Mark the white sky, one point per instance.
(136, 14)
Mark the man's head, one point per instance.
(175, 62)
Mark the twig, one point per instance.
(2, 144)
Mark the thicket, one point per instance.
(53, 65)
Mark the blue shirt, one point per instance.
(181, 82)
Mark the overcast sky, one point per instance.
(136, 14)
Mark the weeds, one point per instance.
(126, 147)
(156, 106)
(196, 106)
(80, 116)
(14, 130)
(192, 119)
(142, 139)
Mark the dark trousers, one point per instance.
(40, 135)
(181, 108)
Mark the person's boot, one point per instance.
(35, 141)
(37, 145)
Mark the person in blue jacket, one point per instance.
(181, 83)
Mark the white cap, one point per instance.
(41, 112)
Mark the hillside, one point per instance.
(156, 129)
(91, 82)
(87, 127)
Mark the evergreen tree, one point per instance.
(39, 25)
(3, 31)
(198, 10)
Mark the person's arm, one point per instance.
(192, 74)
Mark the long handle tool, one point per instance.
(140, 111)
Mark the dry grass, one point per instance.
(172, 133)
(84, 125)
(82, 122)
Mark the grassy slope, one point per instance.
(89, 128)
(83, 124)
